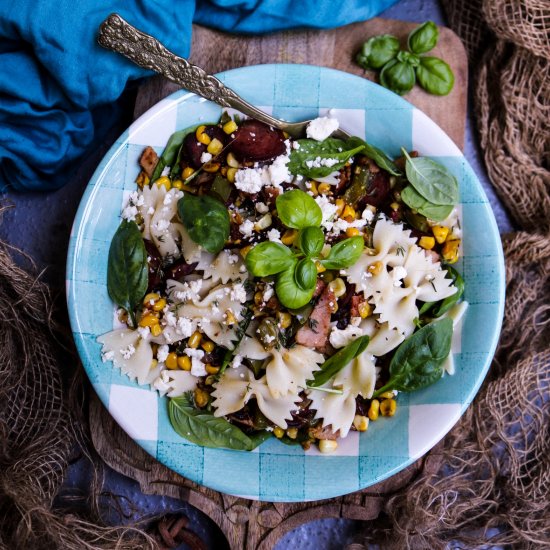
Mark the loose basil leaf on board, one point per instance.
(296, 209)
(418, 361)
(437, 309)
(344, 253)
(377, 51)
(311, 240)
(316, 159)
(305, 274)
(204, 429)
(435, 76)
(127, 268)
(269, 258)
(289, 293)
(431, 180)
(398, 77)
(435, 212)
(334, 364)
(206, 220)
(377, 155)
(408, 57)
(423, 38)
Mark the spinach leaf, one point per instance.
(316, 159)
(423, 38)
(203, 428)
(296, 209)
(311, 241)
(206, 220)
(414, 200)
(290, 294)
(418, 361)
(269, 258)
(431, 180)
(127, 268)
(305, 274)
(345, 253)
(435, 76)
(377, 155)
(333, 365)
(437, 309)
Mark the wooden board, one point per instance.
(250, 524)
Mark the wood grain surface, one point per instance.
(252, 524)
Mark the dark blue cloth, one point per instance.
(55, 81)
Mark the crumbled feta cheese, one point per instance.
(197, 366)
(268, 338)
(262, 208)
(128, 352)
(318, 162)
(129, 213)
(238, 293)
(321, 128)
(246, 228)
(167, 199)
(295, 145)
(161, 383)
(367, 215)
(268, 293)
(165, 171)
(162, 353)
(328, 209)
(206, 157)
(151, 211)
(249, 180)
(237, 361)
(170, 318)
(108, 356)
(274, 235)
(342, 337)
(398, 273)
(144, 332)
(278, 170)
(190, 291)
(232, 259)
(185, 327)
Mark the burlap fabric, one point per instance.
(497, 459)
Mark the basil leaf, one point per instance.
(377, 155)
(305, 274)
(333, 365)
(206, 220)
(408, 57)
(435, 76)
(311, 240)
(296, 209)
(316, 159)
(398, 77)
(423, 38)
(127, 268)
(289, 293)
(437, 309)
(435, 212)
(377, 51)
(431, 180)
(344, 253)
(418, 361)
(203, 428)
(269, 258)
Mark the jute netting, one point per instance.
(496, 471)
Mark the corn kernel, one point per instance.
(210, 379)
(327, 276)
(229, 127)
(208, 346)
(365, 309)
(264, 222)
(187, 172)
(148, 320)
(194, 340)
(211, 369)
(324, 188)
(211, 167)
(427, 243)
(231, 173)
(156, 330)
(154, 364)
(171, 361)
(230, 318)
(223, 171)
(258, 298)
(178, 184)
(215, 147)
(440, 233)
(232, 160)
(340, 205)
(289, 236)
(387, 395)
(278, 432)
(394, 206)
(327, 445)
(375, 268)
(201, 398)
(159, 305)
(348, 213)
(202, 136)
(150, 299)
(450, 251)
(338, 287)
(184, 363)
(245, 250)
(320, 267)
(374, 409)
(361, 423)
(292, 433)
(388, 406)
(352, 232)
(312, 186)
(164, 181)
(284, 319)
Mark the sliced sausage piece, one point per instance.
(315, 333)
(148, 160)
(257, 142)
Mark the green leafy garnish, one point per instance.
(206, 220)
(334, 364)
(435, 76)
(344, 253)
(398, 76)
(416, 201)
(311, 241)
(221, 188)
(418, 361)
(305, 274)
(423, 38)
(289, 292)
(127, 268)
(297, 210)
(269, 258)
(377, 51)
(203, 428)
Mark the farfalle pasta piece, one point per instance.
(174, 383)
(359, 376)
(226, 266)
(397, 307)
(383, 339)
(335, 410)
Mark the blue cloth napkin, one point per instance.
(58, 88)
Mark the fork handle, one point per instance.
(118, 35)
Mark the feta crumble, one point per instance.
(321, 128)
(206, 157)
(246, 228)
(249, 180)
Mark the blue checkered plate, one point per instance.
(277, 472)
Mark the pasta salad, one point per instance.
(280, 287)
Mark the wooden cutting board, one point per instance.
(251, 524)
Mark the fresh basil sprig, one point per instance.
(127, 268)
(423, 38)
(311, 241)
(334, 364)
(344, 253)
(398, 76)
(435, 76)
(203, 428)
(377, 51)
(418, 361)
(206, 220)
(290, 292)
(269, 258)
(298, 210)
